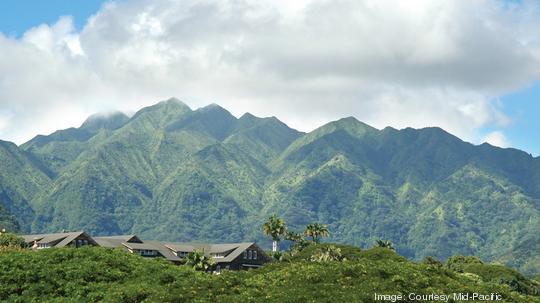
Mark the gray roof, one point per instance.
(125, 238)
(237, 250)
(139, 246)
(61, 239)
(231, 250)
(116, 241)
(109, 243)
(164, 251)
(180, 247)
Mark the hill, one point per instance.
(106, 275)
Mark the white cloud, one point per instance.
(411, 63)
(497, 138)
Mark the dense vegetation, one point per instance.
(173, 173)
(108, 275)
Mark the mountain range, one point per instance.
(173, 173)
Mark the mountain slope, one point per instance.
(425, 190)
(170, 172)
(21, 177)
(155, 168)
(60, 148)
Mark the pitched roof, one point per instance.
(125, 238)
(168, 250)
(231, 250)
(164, 251)
(109, 243)
(61, 239)
(116, 241)
(139, 246)
(237, 250)
(180, 247)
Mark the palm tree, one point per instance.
(316, 231)
(294, 236)
(199, 261)
(385, 244)
(275, 227)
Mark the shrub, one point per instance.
(11, 240)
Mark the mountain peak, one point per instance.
(352, 121)
(248, 116)
(171, 108)
(349, 124)
(172, 103)
(110, 121)
(213, 107)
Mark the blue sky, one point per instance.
(523, 107)
(520, 106)
(17, 16)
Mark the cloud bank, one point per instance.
(409, 63)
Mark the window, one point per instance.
(80, 242)
(218, 255)
(182, 254)
(43, 245)
(250, 254)
(147, 252)
(245, 254)
(254, 255)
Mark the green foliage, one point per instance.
(93, 274)
(280, 256)
(316, 231)
(348, 252)
(459, 263)
(199, 261)
(275, 227)
(429, 260)
(298, 242)
(493, 273)
(385, 244)
(327, 254)
(22, 176)
(11, 240)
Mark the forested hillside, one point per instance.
(173, 173)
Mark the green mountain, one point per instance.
(21, 177)
(173, 173)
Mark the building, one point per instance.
(75, 239)
(134, 245)
(233, 256)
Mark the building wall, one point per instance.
(237, 263)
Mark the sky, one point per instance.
(470, 67)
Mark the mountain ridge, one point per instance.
(173, 173)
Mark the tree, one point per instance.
(11, 240)
(385, 244)
(429, 260)
(316, 231)
(326, 254)
(199, 261)
(275, 227)
(279, 256)
(299, 243)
